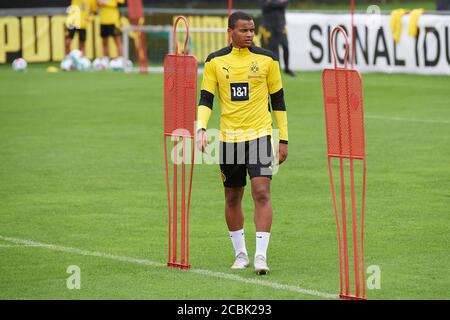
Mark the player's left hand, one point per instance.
(282, 153)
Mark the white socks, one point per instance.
(238, 240)
(262, 242)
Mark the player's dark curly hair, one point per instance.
(238, 15)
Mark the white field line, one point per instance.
(146, 262)
(406, 119)
(19, 245)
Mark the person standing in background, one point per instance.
(79, 15)
(274, 30)
(110, 24)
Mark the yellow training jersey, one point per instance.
(80, 12)
(109, 11)
(245, 78)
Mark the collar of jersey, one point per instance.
(239, 51)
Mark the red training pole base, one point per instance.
(178, 265)
(351, 297)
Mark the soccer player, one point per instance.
(79, 15)
(110, 24)
(273, 22)
(245, 76)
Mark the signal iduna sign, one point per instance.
(375, 49)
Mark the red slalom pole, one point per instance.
(137, 18)
(183, 205)
(169, 222)
(175, 203)
(180, 103)
(189, 203)
(354, 231)
(230, 9)
(344, 117)
(363, 277)
(352, 186)
(338, 229)
(352, 8)
(344, 227)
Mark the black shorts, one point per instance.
(236, 159)
(70, 32)
(109, 30)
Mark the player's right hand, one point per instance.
(282, 153)
(202, 140)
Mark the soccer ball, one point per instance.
(67, 64)
(105, 61)
(117, 64)
(19, 64)
(128, 64)
(83, 64)
(99, 64)
(120, 64)
(75, 55)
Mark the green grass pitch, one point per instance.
(81, 169)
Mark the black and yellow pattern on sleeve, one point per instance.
(245, 79)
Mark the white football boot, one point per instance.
(261, 266)
(241, 262)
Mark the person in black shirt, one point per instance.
(273, 29)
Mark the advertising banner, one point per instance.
(375, 48)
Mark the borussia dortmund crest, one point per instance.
(254, 67)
